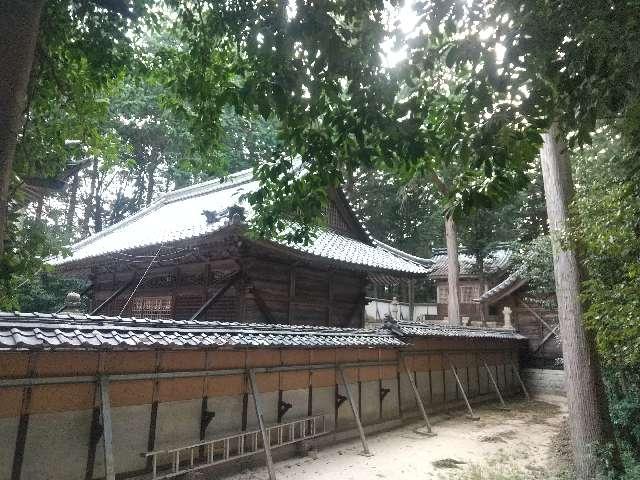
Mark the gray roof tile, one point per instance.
(498, 261)
(34, 331)
(179, 215)
(436, 329)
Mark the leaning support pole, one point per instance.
(107, 433)
(524, 389)
(266, 440)
(354, 409)
(472, 415)
(495, 386)
(416, 393)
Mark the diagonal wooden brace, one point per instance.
(354, 409)
(266, 439)
(472, 415)
(416, 394)
(107, 431)
(495, 386)
(524, 389)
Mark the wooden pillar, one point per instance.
(411, 287)
(107, 430)
(495, 386)
(266, 439)
(292, 295)
(416, 393)
(23, 423)
(330, 299)
(354, 410)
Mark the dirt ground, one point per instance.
(503, 445)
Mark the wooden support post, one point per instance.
(524, 389)
(472, 416)
(354, 409)
(23, 423)
(292, 295)
(412, 296)
(21, 436)
(153, 416)
(107, 431)
(221, 291)
(95, 433)
(266, 440)
(110, 298)
(330, 298)
(495, 386)
(262, 306)
(416, 393)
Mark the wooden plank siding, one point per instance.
(267, 293)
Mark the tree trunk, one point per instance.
(19, 26)
(97, 206)
(39, 207)
(453, 272)
(88, 208)
(580, 361)
(151, 183)
(482, 280)
(71, 208)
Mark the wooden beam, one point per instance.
(547, 337)
(219, 293)
(354, 410)
(266, 440)
(330, 298)
(23, 423)
(153, 416)
(95, 433)
(411, 283)
(517, 374)
(535, 314)
(416, 394)
(262, 306)
(21, 435)
(107, 429)
(472, 416)
(110, 298)
(495, 386)
(292, 295)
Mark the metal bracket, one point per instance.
(340, 399)
(207, 416)
(283, 407)
(384, 392)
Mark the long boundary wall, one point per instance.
(159, 398)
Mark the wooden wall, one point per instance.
(269, 290)
(41, 424)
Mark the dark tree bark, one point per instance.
(89, 206)
(97, 205)
(581, 366)
(73, 201)
(19, 26)
(453, 272)
(151, 181)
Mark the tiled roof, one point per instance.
(433, 329)
(498, 261)
(41, 331)
(333, 246)
(426, 262)
(508, 285)
(79, 331)
(179, 215)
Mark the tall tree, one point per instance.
(580, 360)
(19, 27)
